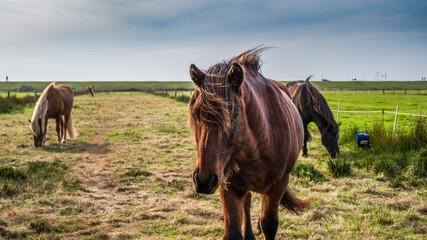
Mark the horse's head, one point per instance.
(214, 114)
(330, 140)
(38, 137)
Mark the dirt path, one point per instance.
(98, 183)
(93, 169)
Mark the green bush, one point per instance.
(420, 164)
(387, 166)
(26, 88)
(307, 170)
(339, 167)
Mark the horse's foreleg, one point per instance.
(58, 127)
(249, 235)
(232, 205)
(269, 219)
(45, 132)
(306, 136)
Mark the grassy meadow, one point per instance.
(128, 176)
(412, 104)
(414, 87)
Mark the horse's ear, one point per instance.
(235, 76)
(197, 75)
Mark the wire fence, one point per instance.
(408, 114)
(184, 92)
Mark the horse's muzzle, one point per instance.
(335, 154)
(205, 187)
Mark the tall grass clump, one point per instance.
(307, 170)
(339, 167)
(400, 158)
(403, 141)
(348, 135)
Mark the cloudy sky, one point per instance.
(157, 40)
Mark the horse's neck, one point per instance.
(257, 105)
(320, 122)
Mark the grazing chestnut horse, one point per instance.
(249, 135)
(313, 108)
(55, 102)
(90, 91)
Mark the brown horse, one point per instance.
(313, 108)
(248, 135)
(55, 102)
(90, 91)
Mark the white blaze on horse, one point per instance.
(55, 102)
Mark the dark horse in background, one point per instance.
(248, 135)
(313, 108)
(56, 102)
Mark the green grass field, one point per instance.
(110, 86)
(372, 101)
(128, 176)
(17, 94)
(412, 104)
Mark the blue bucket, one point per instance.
(362, 138)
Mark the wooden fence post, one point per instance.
(395, 120)
(35, 94)
(175, 92)
(8, 94)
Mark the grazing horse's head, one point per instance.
(214, 114)
(36, 131)
(330, 140)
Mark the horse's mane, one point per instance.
(249, 59)
(213, 102)
(40, 111)
(320, 106)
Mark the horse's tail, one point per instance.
(292, 203)
(72, 132)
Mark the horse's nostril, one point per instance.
(213, 181)
(195, 178)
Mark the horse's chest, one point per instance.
(256, 177)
